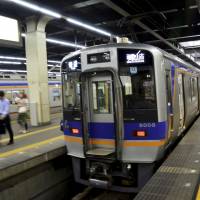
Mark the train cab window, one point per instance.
(71, 84)
(71, 92)
(137, 77)
(101, 96)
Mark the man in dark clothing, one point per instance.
(4, 115)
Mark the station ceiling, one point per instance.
(154, 22)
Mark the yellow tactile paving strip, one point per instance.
(27, 147)
(30, 146)
(32, 133)
(198, 194)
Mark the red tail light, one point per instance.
(140, 133)
(75, 131)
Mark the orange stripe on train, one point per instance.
(126, 143)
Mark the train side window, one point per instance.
(193, 87)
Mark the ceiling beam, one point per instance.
(143, 26)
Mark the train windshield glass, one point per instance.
(71, 70)
(137, 76)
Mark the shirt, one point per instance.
(22, 105)
(4, 107)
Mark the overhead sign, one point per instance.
(135, 58)
(10, 31)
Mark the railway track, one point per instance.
(97, 194)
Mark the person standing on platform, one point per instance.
(22, 103)
(4, 115)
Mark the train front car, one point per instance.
(113, 128)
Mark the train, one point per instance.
(13, 84)
(123, 107)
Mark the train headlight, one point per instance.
(128, 166)
(140, 133)
(75, 131)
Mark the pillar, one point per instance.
(37, 71)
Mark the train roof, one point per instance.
(188, 63)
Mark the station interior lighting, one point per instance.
(11, 58)
(190, 43)
(37, 8)
(58, 15)
(23, 59)
(64, 43)
(92, 28)
(61, 42)
(10, 62)
(25, 71)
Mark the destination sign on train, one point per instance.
(135, 58)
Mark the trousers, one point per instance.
(8, 127)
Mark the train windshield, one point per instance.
(71, 70)
(137, 77)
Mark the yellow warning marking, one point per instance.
(32, 133)
(198, 194)
(177, 170)
(35, 145)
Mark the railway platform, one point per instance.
(31, 149)
(178, 177)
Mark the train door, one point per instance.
(181, 101)
(100, 139)
(169, 102)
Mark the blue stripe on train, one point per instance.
(107, 130)
(157, 132)
(102, 130)
(25, 84)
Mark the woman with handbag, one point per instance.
(22, 103)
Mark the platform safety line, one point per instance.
(32, 133)
(198, 194)
(35, 145)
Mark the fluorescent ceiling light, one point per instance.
(53, 65)
(54, 61)
(24, 71)
(92, 28)
(11, 58)
(37, 8)
(61, 42)
(11, 70)
(24, 59)
(10, 63)
(190, 43)
(57, 15)
(64, 43)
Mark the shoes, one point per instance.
(11, 142)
